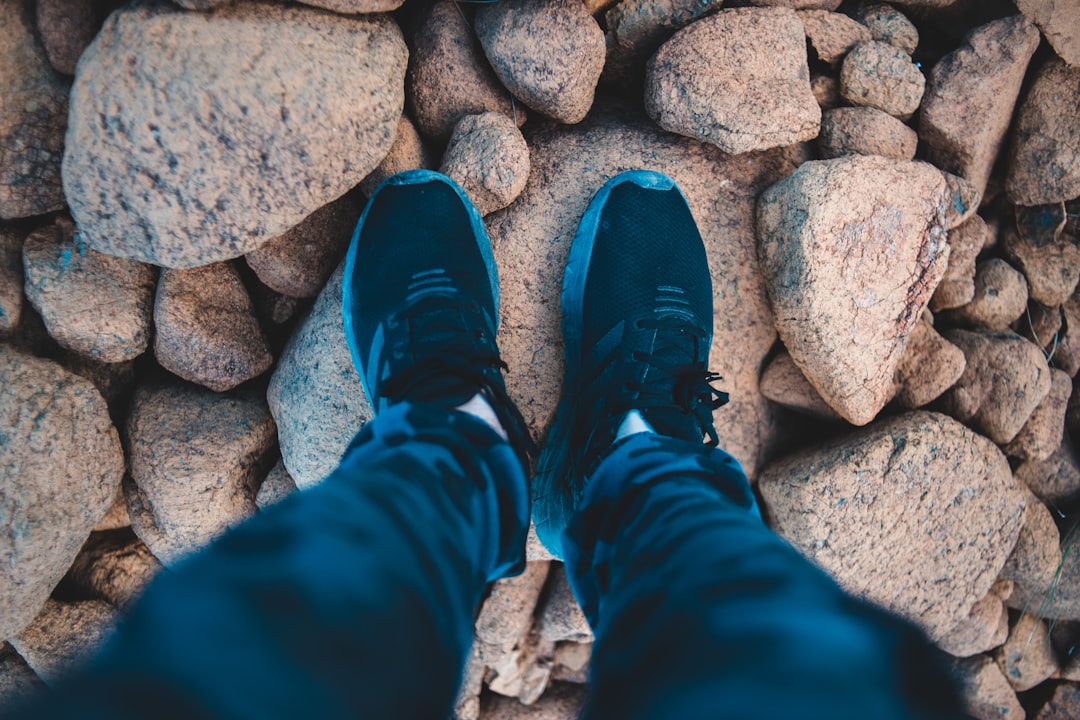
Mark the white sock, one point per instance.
(632, 424)
(480, 408)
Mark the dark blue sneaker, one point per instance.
(637, 325)
(420, 301)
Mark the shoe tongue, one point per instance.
(673, 346)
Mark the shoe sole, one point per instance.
(483, 243)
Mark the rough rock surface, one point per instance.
(266, 121)
(1056, 479)
(964, 199)
(356, 7)
(851, 250)
(636, 28)
(1049, 257)
(315, 393)
(882, 76)
(1037, 556)
(958, 283)
(1044, 164)
(1001, 296)
(987, 694)
(1026, 658)
(532, 240)
(195, 459)
(275, 487)
(920, 489)
(826, 91)
(1059, 598)
(1005, 379)
(888, 24)
(298, 263)
(985, 628)
(66, 27)
(1064, 702)
(17, 681)
(783, 382)
(206, 330)
(507, 612)
(1042, 433)
(63, 635)
(865, 131)
(33, 118)
(11, 280)
(832, 34)
(560, 616)
(548, 53)
(407, 153)
(487, 156)
(930, 366)
(980, 79)
(94, 304)
(57, 439)
(563, 700)
(692, 87)
(449, 76)
(1059, 21)
(113, 566)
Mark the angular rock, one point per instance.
(572, 662)
(737, 79)
(315, 394)
(275, 487)
(1063, 704)
(449, 77)
(889, 25)
(1067, 351)
(488, 157)
(63, 636)
(33, 118)
(985, 628)
(113, 566)
(1026, 658)
(1042, 433)
(18, 683)
(865, 131)
(1059, 21)
(94, 304)
(636, 28)
(958, 283)
(882, 76)
(930, 366)
(532, 239)
(783, 383)
(1059, 597)
(832, 34)
(195, 459)
(561, 617)
(116, 516)
(1040, 324)
(523, 672)
(1056, 480)
(852, 250)
(563, 700)
(66, 27)
(206, 329)
(980, 79)
(57, 441)
(298, 263)
(11, 280)
(266, 122)
(1005, 379)
(407, 153)
(1049, 257)
(1001, 296)
(920, 489)
(507, 613)
(548, 53)
(987, 694)
(964, 199)
(1037, 555)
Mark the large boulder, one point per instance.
(1059, 21)
(33, 117)
(980, 79)
(60, 468)
(920, 489)
(257, 119)
(737, 79)
(851, 251)
(532, 239)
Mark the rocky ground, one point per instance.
(889, 196)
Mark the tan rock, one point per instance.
(299, 262)
(1062, 705)
(66, 27)
(506, 615)
(94, 304)
(920, 489)
(1001, 296)
(1042, 433)
(1067, 351)
(737, 79)
(195, 458)
(1037, 555)
(564, 700)
(266, 122)
(561, 617)
(356, 7)
(206, 327)
(1026, 658)
(18, 683)
(1041, 325)
(826, 91)
(63, 636)
(548, 53)
(882, 76)
(964, 199)
(1005, 379)
(1054, 480)
(61, 447)
(1048, 256)
(407, 153)
(889, 25)
(980, 79)
(1059, 21)
(315, 394)
(113, 566)
(1058, 599)
(1044, 155)
(11, 280)
(985, 628)
(572, 662)
(113, 380)
(33, 118)
(832, 34)
(797, 4)
(930, 366)
(523, 672)
(865, 131)
(487, 156)
(958, 283)
(636, 28)
(449, 77)
(987, 694)
(116, 516)
(852, 250)
(783, 383)
(275, 487)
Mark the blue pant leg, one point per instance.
(353, 599)
(700, 611)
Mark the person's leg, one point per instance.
(699, 609)
(355, 598)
